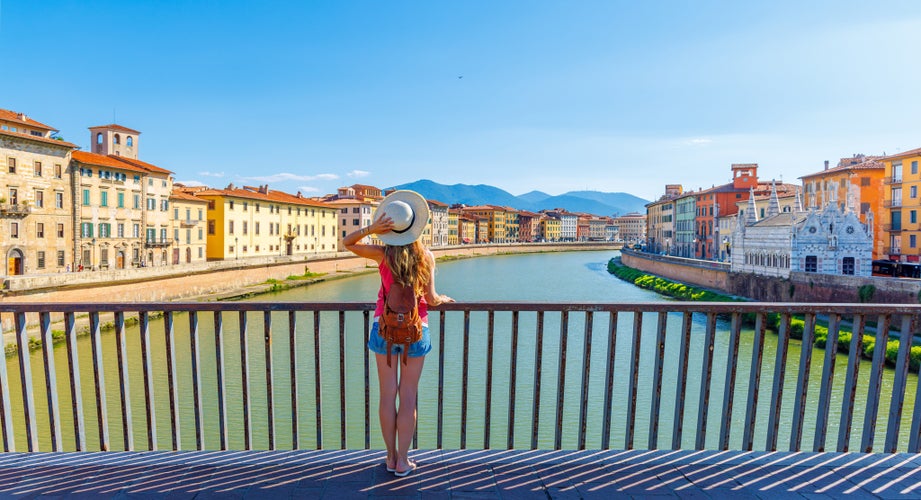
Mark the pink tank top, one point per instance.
(386, 281)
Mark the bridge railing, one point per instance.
(514, 375)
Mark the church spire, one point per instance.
(774, 203)
(752, 216)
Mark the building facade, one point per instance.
(36, 201)
(901, 206)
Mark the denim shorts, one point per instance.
(417, 349)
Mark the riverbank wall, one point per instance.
(236, 278)
(799, 287)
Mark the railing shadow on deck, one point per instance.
(676, 375)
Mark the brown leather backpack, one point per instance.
(400, 323)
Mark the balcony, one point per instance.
(188, 223)
(892, 227)
(14, 210)
(892, 250)
(155, 243)
(892, 203)
(290, 235)
(892, 180)
(486, 367)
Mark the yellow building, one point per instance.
(189, 240)
(495, 218)
(901, 206)
(258, 222)
(453, 227)
(551, 228)
(36, 201)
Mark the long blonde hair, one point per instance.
(409, 265)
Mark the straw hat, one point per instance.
(410, 214)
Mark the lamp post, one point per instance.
(236, 247)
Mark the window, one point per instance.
(211, 226)
(245, 206)
(61, 258)
(912, 241)
(121, 230)
(355, 222)
(39, 230)
(245, 227)
(151, 204)
(200, 214)
(137, 201)
(117, 139)
(99, 138)
(38, 169)
(129, 141)
(11, 164)
(163, 235)
(230, 227)
(39, 199)
(175, 214)
(104, 199)
(847, 266)
(201, 234)
(812, 264)
(86, 197)
(58, 200)
(120, 200)
(257, 228)
(913, 216)
(41, 259)
(231, 205)
(176, 234)
(257, 207)
(60, 230)
(164, 205)
(914, 167)
(86, 229)
(913, 192)
(105, 230)
(14, 230)
(136, 231)
(58, 171)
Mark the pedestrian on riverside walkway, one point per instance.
(398, 223)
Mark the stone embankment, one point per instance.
(799, 287)
(239, 278)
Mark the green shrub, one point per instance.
(869, 345)
(844, 341)
(892, 351)
(865, 293)
(914, 360)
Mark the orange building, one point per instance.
(856, 183)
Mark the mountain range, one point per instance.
(593, 202)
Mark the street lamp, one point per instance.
(236, 246)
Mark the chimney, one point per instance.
(826, 164)
(22, 116)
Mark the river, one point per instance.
(547, 277)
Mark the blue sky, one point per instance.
(607, 95)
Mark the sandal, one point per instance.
(405, 472)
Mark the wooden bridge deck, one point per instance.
(486, 474)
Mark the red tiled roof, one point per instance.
(275, 196)
(141, 164)
(912, 152)
(867, 165)
(436, 203)
(104, 161)
(43, 140)
(13, 116)
(116, 127)
(179, 195)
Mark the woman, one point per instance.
(398, 223)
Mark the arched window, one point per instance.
(99, 138)
(129, 141)
(118, 140)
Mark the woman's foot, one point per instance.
(404, 468)
(390, 463)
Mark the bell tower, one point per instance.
(114, 140)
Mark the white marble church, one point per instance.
(826, 241)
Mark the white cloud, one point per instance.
(357, 174)
(698, 141)
(190, 183)
(285, 176)
(211, 174)
(308, 189)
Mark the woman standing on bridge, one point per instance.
(398, 224)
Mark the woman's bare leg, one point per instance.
(387, 409)
(406, 416)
